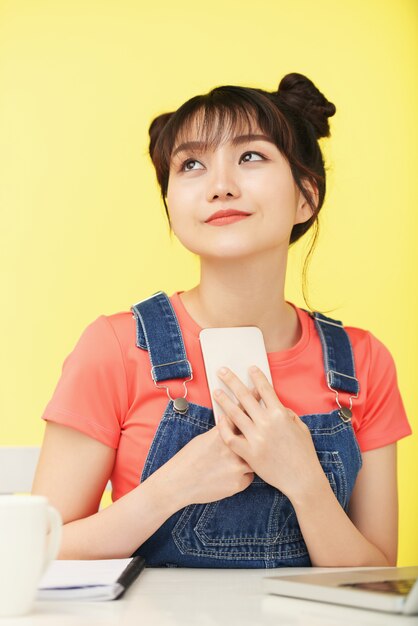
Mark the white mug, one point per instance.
(30, 536)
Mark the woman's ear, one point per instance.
(304, 210)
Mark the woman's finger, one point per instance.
(236, 443)
(265, 389)
(241, 420)
(244, 396)
(256, 394)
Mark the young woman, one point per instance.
(308, 478)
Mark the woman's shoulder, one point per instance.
(107, 327)
(374, 355)
(103, 342)
(121, 323)
(366, 343)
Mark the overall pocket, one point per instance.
(258, 523)
(241, 527)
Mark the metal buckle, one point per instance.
(335, 390)
(165, 386)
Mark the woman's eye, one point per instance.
(191, 165)
(188, 166)
(250, 154)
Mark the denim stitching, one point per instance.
(343, 484)
(177, 326)
(208, 515)
(181, 523)
(146, 337)
(323, 432)
(246, 556)
(272, 517)
(155, 447)
(137, 329)
(324, 344)
(353, 366)
(358, 451)
(338, 465)
(281, 538)
(329, 344)
(292, 512)
(190, 419)
(331, 480)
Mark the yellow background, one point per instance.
(83, 230)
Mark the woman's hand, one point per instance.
(272, 439)
(205, 470)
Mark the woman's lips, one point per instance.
(229, 219)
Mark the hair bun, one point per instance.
(297, 91)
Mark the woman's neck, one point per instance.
(245, 293)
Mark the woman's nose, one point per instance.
(222, 183)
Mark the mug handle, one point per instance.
(54, 536)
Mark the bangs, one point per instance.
(212, 126)
(216, 118)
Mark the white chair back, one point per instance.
(17, 469)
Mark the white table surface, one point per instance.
(203, 597)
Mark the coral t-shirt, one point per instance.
(106, 390)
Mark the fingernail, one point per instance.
(222, 371)
(217, 392)
(253, 368)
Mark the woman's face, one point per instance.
(244, 173)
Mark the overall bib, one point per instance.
(256, 528)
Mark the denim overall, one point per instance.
(255, 528)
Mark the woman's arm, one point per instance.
(368, 536)
(72, 473)
(73, 470)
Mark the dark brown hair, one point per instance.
(294, 117)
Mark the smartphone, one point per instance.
(237, 348)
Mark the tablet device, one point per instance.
(390, 589)
(237, 348)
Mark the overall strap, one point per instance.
(158, 331)
(338, 354)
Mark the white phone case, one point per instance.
(237, 348)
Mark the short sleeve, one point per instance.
(384, 419)
(91, 394)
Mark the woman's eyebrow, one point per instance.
(200, 145)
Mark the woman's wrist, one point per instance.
(314, 488)
(168, 489)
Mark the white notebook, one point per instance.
(89, 580)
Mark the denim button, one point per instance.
(345, 414)
(181, 405)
